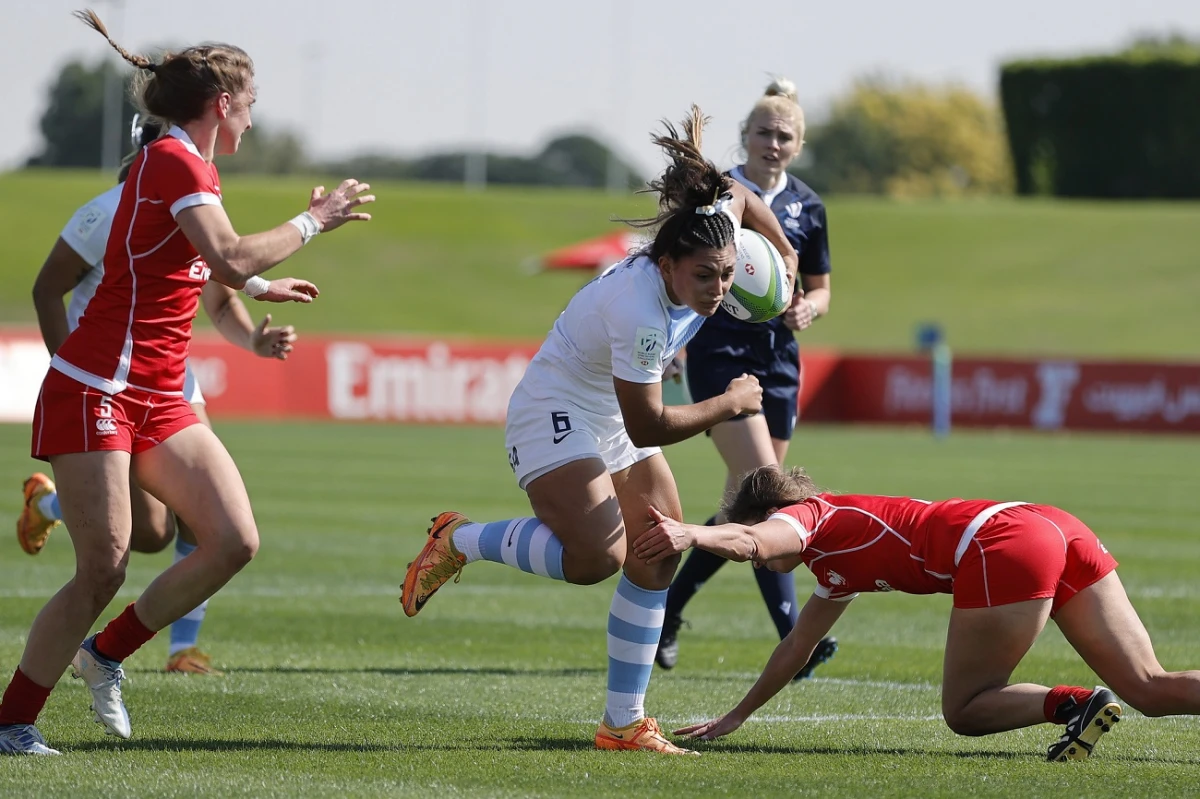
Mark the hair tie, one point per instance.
(709, 210)
(151, 67)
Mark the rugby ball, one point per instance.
(760, 290)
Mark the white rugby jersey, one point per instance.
(87, 235)
(621, 324)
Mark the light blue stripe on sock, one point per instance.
(554, 558)
(628, 678)
(524, 535)
(632, 632)
(183, 548)
(54, 508)
(491, 540)
(185, 633)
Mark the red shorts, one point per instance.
(1029, 552)
(71, 417)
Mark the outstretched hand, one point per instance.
(272, 342)
(711, 730)
(336, 208)
(289, 289)
(665, 539)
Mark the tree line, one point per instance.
(885, 135)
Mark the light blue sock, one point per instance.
(186, 631)
(48, 505)
(635, 623)
(524, 544)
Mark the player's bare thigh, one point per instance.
(578, 502)
(194, 475)
(647, 483)
(93, 492)
(1102, 626)
(154, 524)
(983, 647)
(744, 445)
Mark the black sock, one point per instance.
(779, 592)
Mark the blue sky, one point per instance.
(408, 77)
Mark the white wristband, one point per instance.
(256, 286)
(307, 224)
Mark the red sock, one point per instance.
(1058, 706)
(123, 636)
(23, 700)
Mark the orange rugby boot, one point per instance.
(192, 661)
(642, 735)
(33, 526)
(438, 562)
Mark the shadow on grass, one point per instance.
(1108, 755)
(560, 744)
(486, 671)
(532, 744)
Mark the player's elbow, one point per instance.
(641, 438)
(230, 270)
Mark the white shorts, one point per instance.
(191, 387)
(543, 434)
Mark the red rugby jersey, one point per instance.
(135, 331)
(863, 542)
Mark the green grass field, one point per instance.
(1002, 276)
(495, 689)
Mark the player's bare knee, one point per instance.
(237, 548)
(1150, 697)
(592, 568)
(100, 582)
(961, 723)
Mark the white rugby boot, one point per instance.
(103, 677)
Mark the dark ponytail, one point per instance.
(690, 191)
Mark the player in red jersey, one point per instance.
(113, 397)
(1010, 566)
(75, 265)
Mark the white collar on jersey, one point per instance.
(181, 134)
(768, 195)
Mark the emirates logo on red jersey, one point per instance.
(198, 270)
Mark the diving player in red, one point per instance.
(1009, 565)
(113, 398)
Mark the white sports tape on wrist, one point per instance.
(307, 224)
(256, 286)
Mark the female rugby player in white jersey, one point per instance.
(75, 265)
(586, 422)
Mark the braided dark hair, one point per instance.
(689, 191)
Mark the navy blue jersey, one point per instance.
(801, 214)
